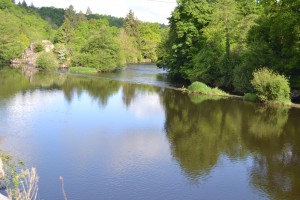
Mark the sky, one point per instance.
(145, 10)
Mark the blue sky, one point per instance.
(145, 10)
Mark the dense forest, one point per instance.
(221, 43)
(81, 40)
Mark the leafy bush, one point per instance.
(251, 97)
(102, 61)
(38, 47)
(199, 87)
(61, 51)
(47, 61)
(271, 86)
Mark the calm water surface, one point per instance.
(112, 139)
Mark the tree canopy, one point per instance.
(222, 42)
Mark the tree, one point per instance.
(54, 16)
(70, 15)
(131, 25)
(150, 37)
(10, 44)
(24, 4)
(81, 17)
(220, 35)
(89, 11)
(6, 4)
(101, 51)
(65, 34)
(185, 36)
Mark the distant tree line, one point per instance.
(83, 40)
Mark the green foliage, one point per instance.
(199, 87)
(6, 4)
(270, 86)
(38, 47)
(19, 27)
(251, 97)
(11, 166)
(61, 52)
(102, 52)
(47, 61)
(113, 21)
(150, 37)
(54, 16)
(129, 47)
(131, 26)
(222, 42)
(185, 35)
(65, 34)
(10, 43)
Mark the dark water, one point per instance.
(116, 140)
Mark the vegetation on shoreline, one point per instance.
(271, 87)
(222, 43)
(199, 87)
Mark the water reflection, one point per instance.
(268, 121)
(202, 130)
(126, 136)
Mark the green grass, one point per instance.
(83, 70)
(199, 87)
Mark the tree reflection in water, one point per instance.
(202, 129)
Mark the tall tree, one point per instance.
(70, 15)
(131, 25)
(185, 35)
(89, 11)
(24, 4)
(65, 34)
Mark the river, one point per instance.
(130, 136)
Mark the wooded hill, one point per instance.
(81, 40)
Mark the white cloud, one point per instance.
(146, 10)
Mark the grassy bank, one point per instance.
(201, 88)
(83, 70)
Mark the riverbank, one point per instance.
(228, 95)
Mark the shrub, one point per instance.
(271, 86)
(102, 61)
(47, 61)
(202, 88)
(251, 97)
(199, 87)
(38, 47)
(61, 52)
